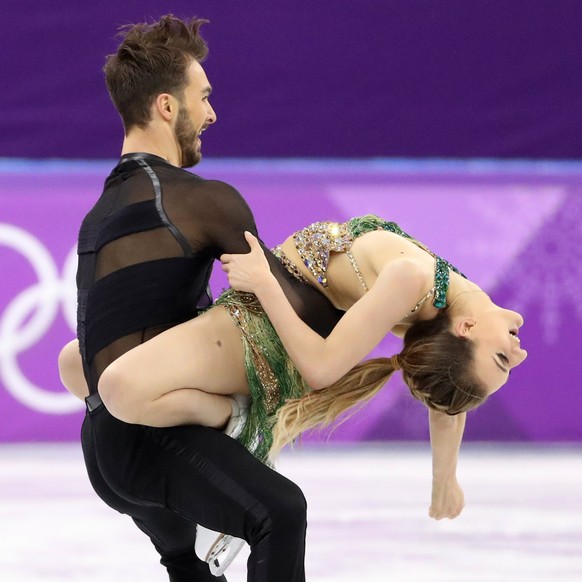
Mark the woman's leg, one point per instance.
(206, 409)
(182, 406)
(71, 370)
(181, 376)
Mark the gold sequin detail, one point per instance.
(357, 270)
(315, 242)
(289, 264)
(421, 302)
(249, 303)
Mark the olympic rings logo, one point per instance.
(30, 315)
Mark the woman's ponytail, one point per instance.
(322, 407)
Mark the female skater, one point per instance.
(458, 349)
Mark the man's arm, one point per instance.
(226, 217)
(446, 434)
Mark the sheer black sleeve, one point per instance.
(218, 216)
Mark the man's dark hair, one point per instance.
(152, 59)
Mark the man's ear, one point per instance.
(166, 106)
(463, 326)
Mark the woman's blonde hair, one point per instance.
(435, 365)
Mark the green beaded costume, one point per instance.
(272, 377)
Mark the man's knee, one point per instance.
(294, 507)
(288, 512)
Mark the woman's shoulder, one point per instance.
(406, 268)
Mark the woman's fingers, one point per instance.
(252, 240)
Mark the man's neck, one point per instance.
(151, 142)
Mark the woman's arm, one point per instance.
(446, 434)
(323, 361)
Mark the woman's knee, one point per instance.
(119, 394)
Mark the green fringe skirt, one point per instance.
(272, 377)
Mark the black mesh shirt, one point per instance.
(146, 251)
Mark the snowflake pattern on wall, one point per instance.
(498, 234)
(548, 275)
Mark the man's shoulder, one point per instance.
(213, 187)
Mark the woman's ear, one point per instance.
(463, 327)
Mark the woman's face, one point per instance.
(497, 346)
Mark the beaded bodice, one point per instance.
(315, 242)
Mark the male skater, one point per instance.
(146, 251)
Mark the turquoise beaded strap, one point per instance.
(441, 283)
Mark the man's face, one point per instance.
(194, 116)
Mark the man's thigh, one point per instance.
(198, 473)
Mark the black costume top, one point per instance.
(146, 251)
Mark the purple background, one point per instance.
(362, 82)
(348, 78)
(514, 228)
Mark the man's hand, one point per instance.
(448, 499)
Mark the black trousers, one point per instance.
(169, 479)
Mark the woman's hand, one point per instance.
(448, 499)
(446, 433)
(249, 271)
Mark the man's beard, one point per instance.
(186, 137)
